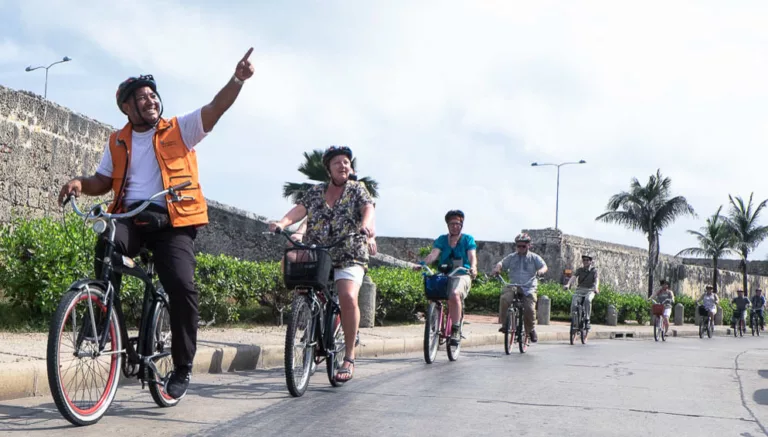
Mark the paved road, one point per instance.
(607, 388)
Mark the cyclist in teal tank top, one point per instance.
(456, 250)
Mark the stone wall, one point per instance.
(43, 144)
(623, 267)
(754, 267)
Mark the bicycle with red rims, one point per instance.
(88, 342)
(438, 324)
(314, 333)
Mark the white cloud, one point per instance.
(447, 103)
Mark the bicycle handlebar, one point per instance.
(101, 213)
(503, 281)
(664, 302)
(452, 273)
(294, 243)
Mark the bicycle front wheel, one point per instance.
(656, 329)
(82, 379)
(574, 326)
(522, 335)
(509, 332)
(454, 351)
(431, 333)
(299, 347)
(158, 341)
(336, 358)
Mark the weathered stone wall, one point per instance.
(623, 267)
(754, 267)
(43, 144)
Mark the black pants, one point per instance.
(174, 256)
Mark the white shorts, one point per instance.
(667, 312)
(352, 273)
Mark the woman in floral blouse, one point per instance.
(334, 210)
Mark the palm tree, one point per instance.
(649, 209)
(747, 235)
(715, 241)
(314, 170)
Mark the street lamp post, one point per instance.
(557, 197)
(30, 68)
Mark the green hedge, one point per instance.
(40, 258)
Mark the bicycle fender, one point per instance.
(83, 283)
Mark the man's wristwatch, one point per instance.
(237, 80)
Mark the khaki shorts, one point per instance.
(460, 285)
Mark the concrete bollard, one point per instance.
(719, 316)
(611, 316)
(543, 310)
(679, 314)
(367, 303)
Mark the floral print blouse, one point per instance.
(326, 224)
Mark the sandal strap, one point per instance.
(349, 360)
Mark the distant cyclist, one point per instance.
(587, 282)
(457, 250)
(740, 304)
(758, 304)
(523, 267)
(709, 301)
(667, 297)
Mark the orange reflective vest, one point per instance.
(177, 164)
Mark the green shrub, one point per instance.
(40, 258)
(483, 297)
(689, 308)
(399, 293)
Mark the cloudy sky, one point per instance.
(445, 103)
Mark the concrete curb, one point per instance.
(30, 378)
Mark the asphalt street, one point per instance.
(686, 386)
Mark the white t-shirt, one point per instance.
(144, 178)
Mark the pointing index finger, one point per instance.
(247, 54)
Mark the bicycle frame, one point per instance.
(115, 263)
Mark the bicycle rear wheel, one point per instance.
(158, 341)
(509, 332)
(299, 346)
(431, 332)
(710, 328)
(74, 362)
(663, 330)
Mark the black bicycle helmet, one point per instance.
(454, 213)
(335, 151)
(128, 86)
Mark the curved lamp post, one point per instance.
(557, 198)
(30, 68)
